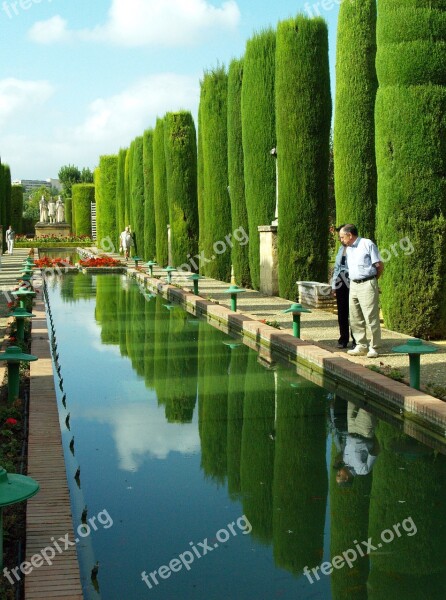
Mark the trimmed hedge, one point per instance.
(259, 137)
(160, 194)
(7, 194)
(120, 191)
(236, 179)
(127, 185)
(137, 195)
(354, 131)
(17, 207)
(303, 113)
(411, 161)
(181, 175)
(149, 200)
(216, 209)
(106, 200)
(83, 195)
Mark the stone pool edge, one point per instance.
(264, 338)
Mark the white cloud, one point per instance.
(147, 22)
(119, 118)
(19, 96)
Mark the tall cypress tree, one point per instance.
(236, 179)
(181, 169)
(7, 194)
(303, 112)
(127, 185)
(149, 205)
(259, 137)
(411, 162)
(17, 207)
(137, 192)
(106, 200)
(82, 197)
(160, 193)
(354, 131)
(120, 191)
(216, 223)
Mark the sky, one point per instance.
(79, 79)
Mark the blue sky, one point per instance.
(80, 79)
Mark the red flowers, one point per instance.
(11, 421)
(48, 263)
(100, 261)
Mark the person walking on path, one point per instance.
(10, 236)
(126, 241)
(365, 266)
(340, 285)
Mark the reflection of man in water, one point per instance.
(360, 447)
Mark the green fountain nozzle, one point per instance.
(14, 489)
(195, 277)
(14, 356)
(296, 310)
(23, 294)
(414, 348)
(20, 315)
(169, 270)
(136, 259)
(151, 264)
(234, 290)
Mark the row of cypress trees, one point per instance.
(223, 179)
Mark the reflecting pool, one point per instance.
(202, 473)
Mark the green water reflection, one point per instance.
(178, 433)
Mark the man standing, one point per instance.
(365, 266)
(10, 235)
(126, 241)
(340, 285)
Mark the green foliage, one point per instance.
(17, 207)
(300, 477)
(69, 212)
(216, 208)
(86, 175)
(354, 133)
(106, 199)
(7, 194)
(83, 196)
(68, 175)
(127, 185)
(149, 200)
(411, 161)
(396, 496)
(181, 175)
(160, 193)
(303, 113)
(200, 183)
(120, 192)
(137, 195)
(240, 254)
(31, 203)
(259, 137)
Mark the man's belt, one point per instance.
(365, 279)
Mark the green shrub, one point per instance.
(137, 195)
(106, 200)
(303, 112)
(83, 196)
(236, 179)
(411, 161)
(160, 194)
(16, 207)
(354, 131)
(149, 200)
(216, 208)
(181, 170)
(120, 191)
(259, 137)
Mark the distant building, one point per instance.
(30, 185)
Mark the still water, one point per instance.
(203, 474)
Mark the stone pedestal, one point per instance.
(269, 263)
(57, 229)
(315, 295)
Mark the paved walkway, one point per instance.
(48, 513)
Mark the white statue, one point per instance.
(52, 210)
(60, 210)
(43, 206)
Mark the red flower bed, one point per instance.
(100, 261)
(47, 263)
